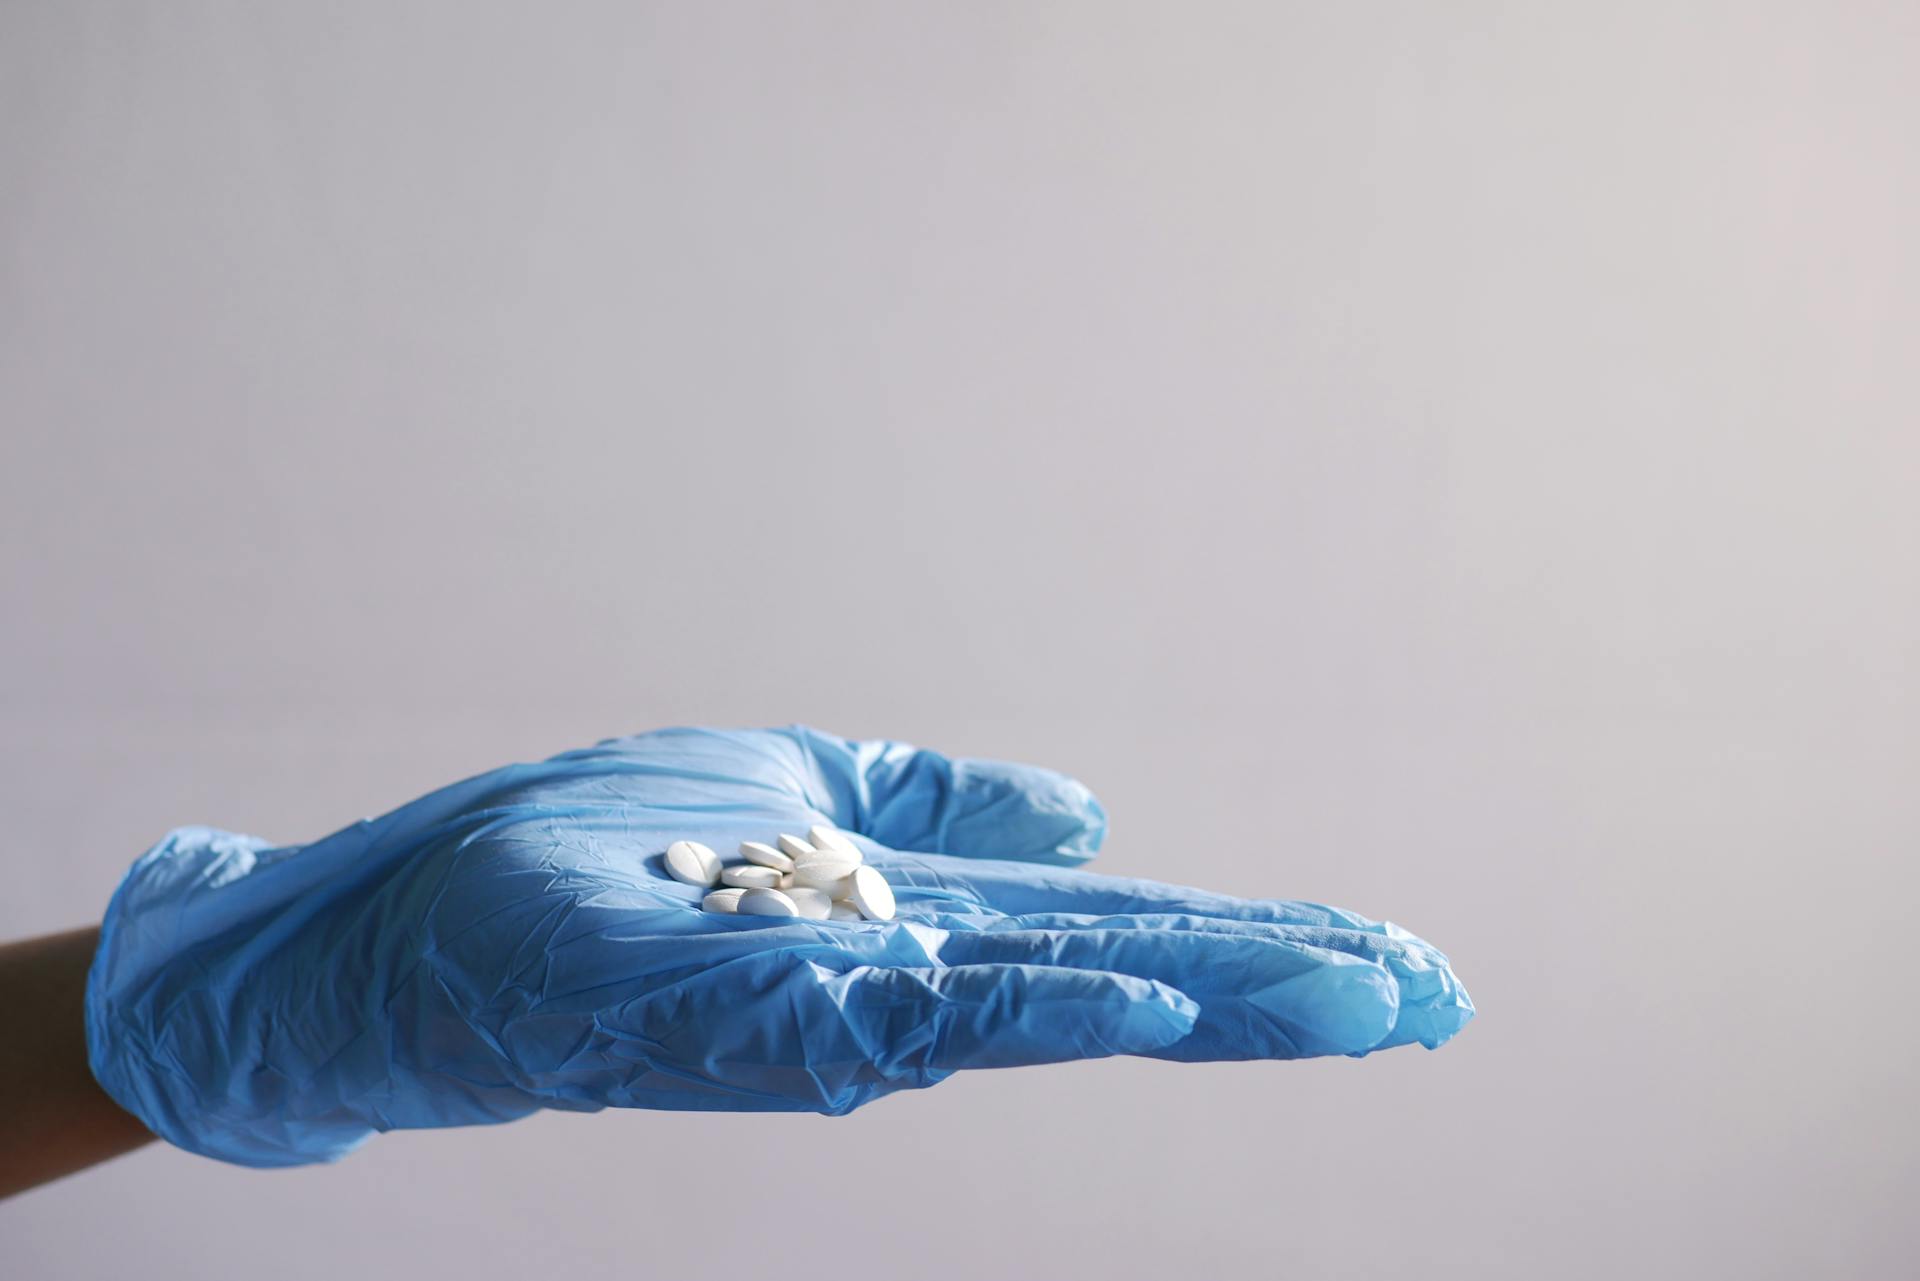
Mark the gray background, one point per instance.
(1451, 460)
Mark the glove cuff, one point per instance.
(160, 996)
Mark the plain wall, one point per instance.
(1456, 461)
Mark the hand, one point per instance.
(513, 942)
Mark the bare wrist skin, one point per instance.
(54, 1117)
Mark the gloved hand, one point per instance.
(512, 942)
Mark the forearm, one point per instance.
(54, 1118)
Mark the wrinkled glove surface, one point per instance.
(513, 942)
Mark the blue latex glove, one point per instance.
(512, 942)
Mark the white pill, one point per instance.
(844, 911)
(872, 895)
(727, 901)
(750, 876)
(692, 862)
(795, 847)
(823, 873)
(813, 904)
(828, 841)
(765, 856)
(760, 902)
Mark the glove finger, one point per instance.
(912, 798)
(1434, 1007)
(915, 1021)
(1259, 997)
(1014, 888)
(1433, 1004)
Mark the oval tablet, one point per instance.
(844, 911)
(823, 873)
(726, 901)
(828, 841)
(692, 862)
(813, 904)
(872, 895)
(794, 847)
(749, 876)
(765, 856)
(759, 902)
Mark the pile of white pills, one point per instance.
(822, 877)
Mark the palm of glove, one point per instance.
(513, 942)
